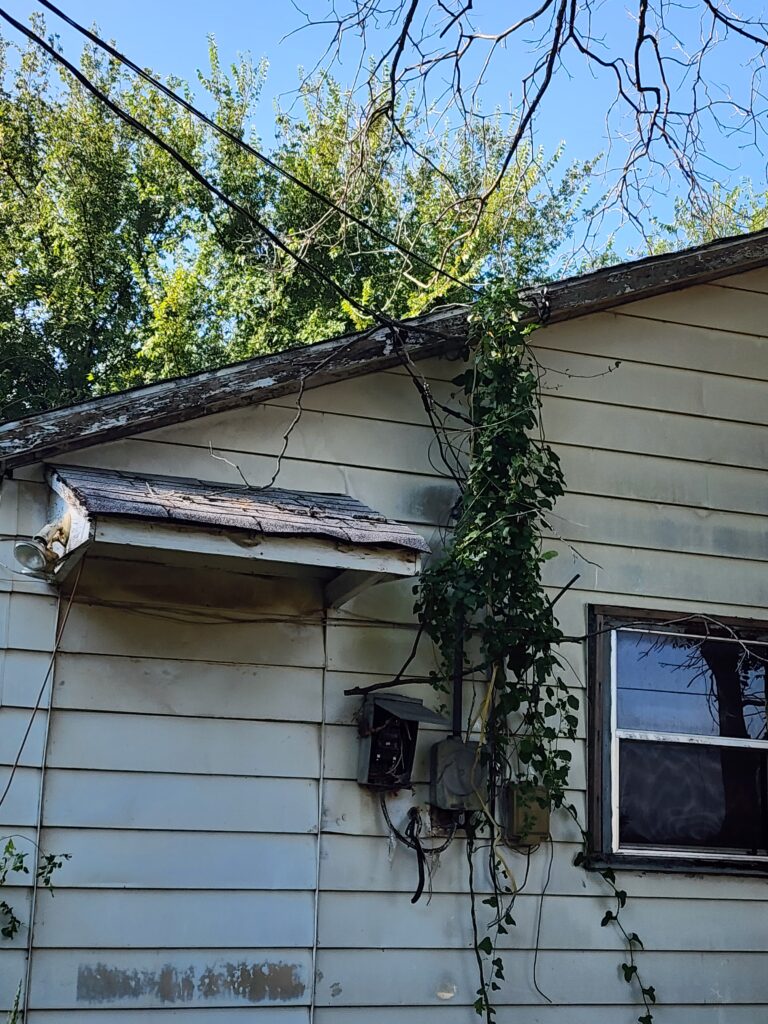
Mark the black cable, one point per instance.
(538, 923)
(199, 177)
(428, 403)
(251, 150)
(430, 850)
(412, 832)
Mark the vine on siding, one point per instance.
(484, 603)
(13, 860)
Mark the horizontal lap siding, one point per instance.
(665, 456)
(184, 755)
(566, 977)
(28, 614)
(127, 981)
(189, 1014)
(183, 768)
(360, 920)
(184, 759)
(543, 1014)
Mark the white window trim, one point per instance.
(667, 737)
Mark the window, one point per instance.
(679, 746)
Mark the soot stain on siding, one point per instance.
(252, 982)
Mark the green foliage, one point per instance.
(485, 596)
(486, 593)
(728, 212)
(83, 206)
(117, 269)
(14, 1014)
(13, 861)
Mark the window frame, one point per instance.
(603, 745)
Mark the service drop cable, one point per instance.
(38, 701)
(251, 150)
(410, 839)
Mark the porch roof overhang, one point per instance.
(268, 531)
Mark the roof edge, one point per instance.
(444, 332)
(644, 278)
(113, 417)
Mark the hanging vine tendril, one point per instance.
(485, 598)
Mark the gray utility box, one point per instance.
(458, 780)
(389, 726)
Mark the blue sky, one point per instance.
(171, 37)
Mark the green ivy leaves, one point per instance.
(14, 861)
(486, 595)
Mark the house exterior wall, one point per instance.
(200, 734)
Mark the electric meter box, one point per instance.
(388, 727)
(458, 779)
(524, 814)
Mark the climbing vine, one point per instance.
(14, 861)
(485, 608)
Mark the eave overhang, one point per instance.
(267, 531)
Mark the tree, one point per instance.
(117, 268)
(660, 67)
(85, 211)
(729, 212)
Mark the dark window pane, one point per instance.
(696, 685)
(692, 796)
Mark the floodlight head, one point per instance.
(33, 555)
(37, 556)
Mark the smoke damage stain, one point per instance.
(219, 982)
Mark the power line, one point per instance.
(398, 328)
(199, 177)
(196, 112)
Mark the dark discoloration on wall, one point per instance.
(249, 982)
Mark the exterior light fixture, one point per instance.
(38, 556)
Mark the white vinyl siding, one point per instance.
(184, 759)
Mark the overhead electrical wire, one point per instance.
(397, 327)
(236, 140)
(199, 177)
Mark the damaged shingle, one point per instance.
(268, 511)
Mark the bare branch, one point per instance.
(662, 110)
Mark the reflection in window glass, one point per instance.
(693, 796)
(691, 685)
(680, 741)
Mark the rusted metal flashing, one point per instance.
(444, 333)
(270, 511)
